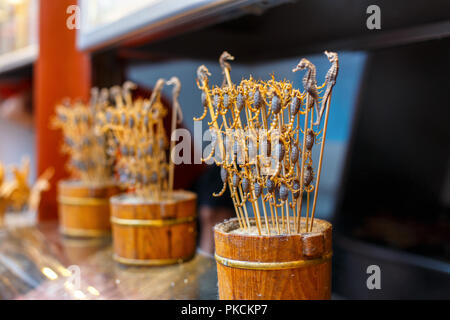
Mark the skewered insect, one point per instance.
(308, 176)
(276, 104)
(224, 177)
(295, 152)
(310, 139)
(284, 192)
(258, 190)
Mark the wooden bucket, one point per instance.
(84, 209)
(152, 233)
(277, 267)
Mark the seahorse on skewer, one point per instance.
(202, 78)
(177, 118)
(103, 96)
(176, 94)
(156, 92)
(95, 95)
(127, 87)
(116, 95)
(309, 81)
(330, 80)
(224, 57)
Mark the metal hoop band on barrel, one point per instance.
(151, 223)
(84, 232)
(252, 265)
(149, 262)
(75, 201)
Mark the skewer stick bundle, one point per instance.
(85, 146)
(153, 224)
(138, 137)
(264, 134)
(84, 199)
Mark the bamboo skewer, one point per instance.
(276, 219)
(307, 211)
(241, 219)
(266, 127)
(288, 218)
(266, 218)
(303, 166)
(176, 112)
(319, 168)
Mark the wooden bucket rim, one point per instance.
(123, 199)
(152, 222)
(73, 183)
(226, 226)
(82, 201)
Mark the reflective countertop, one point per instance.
(36, 262)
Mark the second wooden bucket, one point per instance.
(84, 209)
(151, 233)
(276, 267)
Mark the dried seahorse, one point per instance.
(309, 81)
(224, 57)
(156, 92)
(330, 80)
(127, 87)
(202, 77)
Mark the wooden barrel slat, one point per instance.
(286, 267)
(84, 209)
(154, 245)
(2, 213)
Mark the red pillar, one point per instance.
(61, 71)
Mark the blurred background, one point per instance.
(386, 176)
